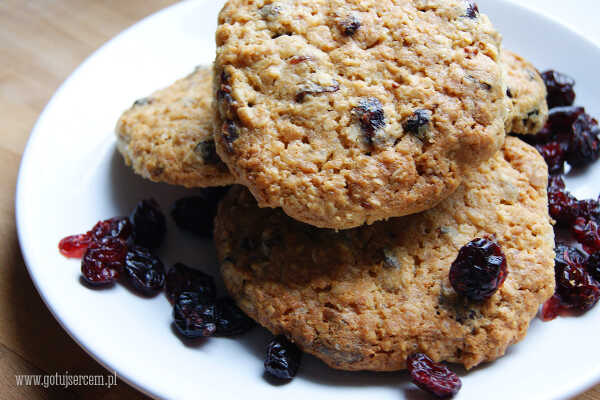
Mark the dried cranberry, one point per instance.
(587, 233)
(584, 146)
(432, 377)
(75, 246)
(577, 290)
(182, 278)
(562, 206)
(144, 270)
(149, 225)
(560, 89)
(230, 319)
(103, 260)
(197, 213)
(370, 115)
(552, 308)
(592, 265)
(554, 154)
(479, 269)
(283, 358)
(193, 316)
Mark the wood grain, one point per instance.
(41, 43)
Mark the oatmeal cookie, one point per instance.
(168, 136)
(527, 93)
(345, 112)
(366, 298)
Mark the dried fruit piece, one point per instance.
(432, 377)
(230, 133)
(479, 269)
(418, 123)
(551, 308)
(283, 358)
(584, 146)
(103, 260)
(197, 213)
(561, 204)
(554, 154)
(74, 246)
(144, 270)
(587, 233)
(230, 320)
(117, 227)
(350, 25)
(314, 89)
(560, 89)
(370, 116)
(206, 150)
(182, 278)
(592, 265)
(577, 290)
(149, 225)
(193, 316)
(472, 9)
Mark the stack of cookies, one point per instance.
(368, 143)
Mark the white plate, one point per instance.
(71, 176)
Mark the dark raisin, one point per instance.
(314, 89)
(143, 101)
(74, 246)
(350, 25)
(432, 377)
(149, 225)
(207, 152)
(509, 93)
(479, 269)
(230, 133)
(197, 213)
(472, 9)
(103, 260)
(283, 358)
(418, 123)
(554, 154)
(592, 265)
(230, 320)
(144, 271)
(193, 316)
(560, 89)
(584, 146)
(182, 278)
(587, 233)
(370, 116)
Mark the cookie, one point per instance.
(527, 93)
(344, 112)
(366, 298)
(168, 136)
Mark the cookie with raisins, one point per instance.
(346, 112)
(168, 136)
(366, 298)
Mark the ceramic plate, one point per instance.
(71, 176)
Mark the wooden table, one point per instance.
(41, 43)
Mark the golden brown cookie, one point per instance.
(527, 93)
(345, 112)
(366, 298)
(168, 137)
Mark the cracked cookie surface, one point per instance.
(366, 298)
(168, 136)
(345, 112)
(527, 93)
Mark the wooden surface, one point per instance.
(41, 43)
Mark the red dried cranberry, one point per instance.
(587, 233)
(562, 206)
(230, 319)
(144, 271)
(149, 225)
(560, 89)
(584, 146)
(592, 265)
(103, 260)
(432, 377)
(197, 213)
(283, 358)
(551, 308)
(182, 278)
(479, 269)
(554, 154)
(576, 288)
(193, 316)
(118, 227)
(75, 246)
